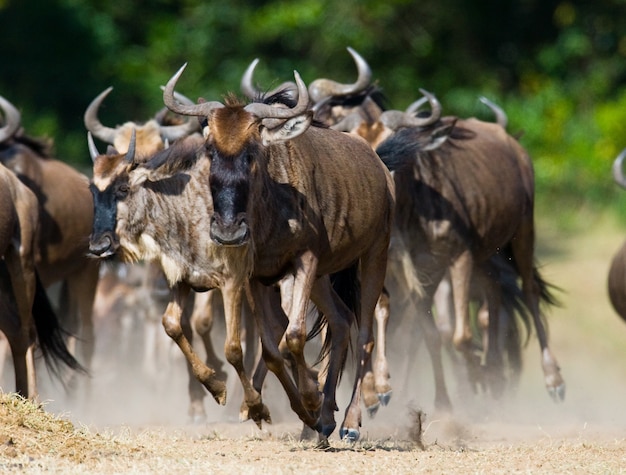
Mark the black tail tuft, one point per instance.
(51, 335)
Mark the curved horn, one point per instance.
(130, 153)
(12, 119)
(252, 92)
(415, 106)
(246, 81)
(199, 110)
(159, 116)
(93, 150)
(501, 117)
(93, 124)
(397, 119)
(266, 111)
(173, 132)
(321, 88)
(618, 172)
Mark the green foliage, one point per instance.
(557, 67)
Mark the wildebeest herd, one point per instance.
(314, 213)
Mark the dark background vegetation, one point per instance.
(557, 67)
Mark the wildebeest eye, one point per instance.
(122, 190)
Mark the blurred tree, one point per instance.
(557, 66)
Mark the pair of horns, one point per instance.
(262, 111)
(108, 134)
(318, 90)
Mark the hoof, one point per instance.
(327, 429)
(322, 443)
(197, 419)
(384, 398)
(557, 394)
(259, 413)
(373, 409)
(349, 435)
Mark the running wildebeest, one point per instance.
(65, 217)
(297, 198)
(376, 388)
(449, 174)
(151, 137)
(26, 315)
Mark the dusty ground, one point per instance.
(134, 422)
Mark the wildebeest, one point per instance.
(465, 191)
(151, 137)
(167, 221)
(617, 272)
(324, 95)
(299, 200)
(25, 311)
(65, 218)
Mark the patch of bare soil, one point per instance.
(130, 416)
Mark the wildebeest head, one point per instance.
(375, 128)
(237, 137)
(151, 135)
(110, 185)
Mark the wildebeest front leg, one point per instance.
(232, 295)
(295, 335)
(173, 327)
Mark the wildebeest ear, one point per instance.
(438, 137)
(286, 129)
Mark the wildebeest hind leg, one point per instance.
(373, 266)
(523, 253)
(260, 299)
(339, 318)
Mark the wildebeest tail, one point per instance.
(50, 334)
(546, 289)
(546, 292)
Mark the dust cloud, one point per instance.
(139, 377)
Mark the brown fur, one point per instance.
(617, 282)
(65, 218)
(166, 220)
(230, 127)
(18, 233)
(458, 205)
(310, 211)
